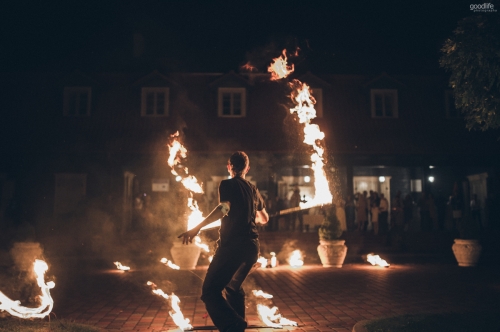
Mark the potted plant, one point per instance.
(331, 248)
(467, 248)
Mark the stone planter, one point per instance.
(185, 255)
(332, 252)
(466, 252)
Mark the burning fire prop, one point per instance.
(175, 313)
(295, 259)
(279, 68)
(46, 303)
(304, 108)
(270, 316)
(121, 267)
(376, 260)
(177, 152)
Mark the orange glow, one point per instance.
(263, 262)
(376, 260)
(175, 313)
(46, 303)
(248, 67)
(279, 68)
(272, 318)
(169, 263)
(295, 259)
(304, 101)
(121, 267)
(177, 152)
(260, 293)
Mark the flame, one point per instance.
(203, 246)
(376, 260)
(121, 267)
(272, 318)
(263, 262)
(248, 67)
(260, 293)
(46, 303)
(175, 313)
(295, 259)
(305, 111)
(279, 69)
(169, 263)
(274, 261)
(177, 152)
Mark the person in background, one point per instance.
(383, 215)
(362, 211)
(350, 213)
(374, 209)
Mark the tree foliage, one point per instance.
(472, 56)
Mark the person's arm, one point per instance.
(262, 217)
(216, 214)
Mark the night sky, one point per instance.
(399, 37)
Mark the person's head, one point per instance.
(238, 164)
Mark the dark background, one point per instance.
(400, 37)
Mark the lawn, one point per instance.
(449, 322)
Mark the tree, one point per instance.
(472, 56)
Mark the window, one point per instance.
(384, 103)
(232, 102)
(77, 101)
(318, 96)
(154, 101)
(451, 111)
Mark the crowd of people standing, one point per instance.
(373, 212)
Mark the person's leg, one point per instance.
(235, 294)
(220, 272)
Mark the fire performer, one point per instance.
(241, 207)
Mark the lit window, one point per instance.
(77, 101)
(154, 101)
(384, 103)
(232, 102)
(451, 111)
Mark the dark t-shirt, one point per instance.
(245, 201)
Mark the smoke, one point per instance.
(286, 250)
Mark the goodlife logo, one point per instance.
(483, 8)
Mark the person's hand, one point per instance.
(187, 237)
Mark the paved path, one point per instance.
(317, 298)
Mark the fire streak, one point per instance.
(121, 267)
(376, 260)
(304, 101)
(169, 263)
(312, 134)
(279, 68)
(177, 152)
(46, 303)
(175, 313)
